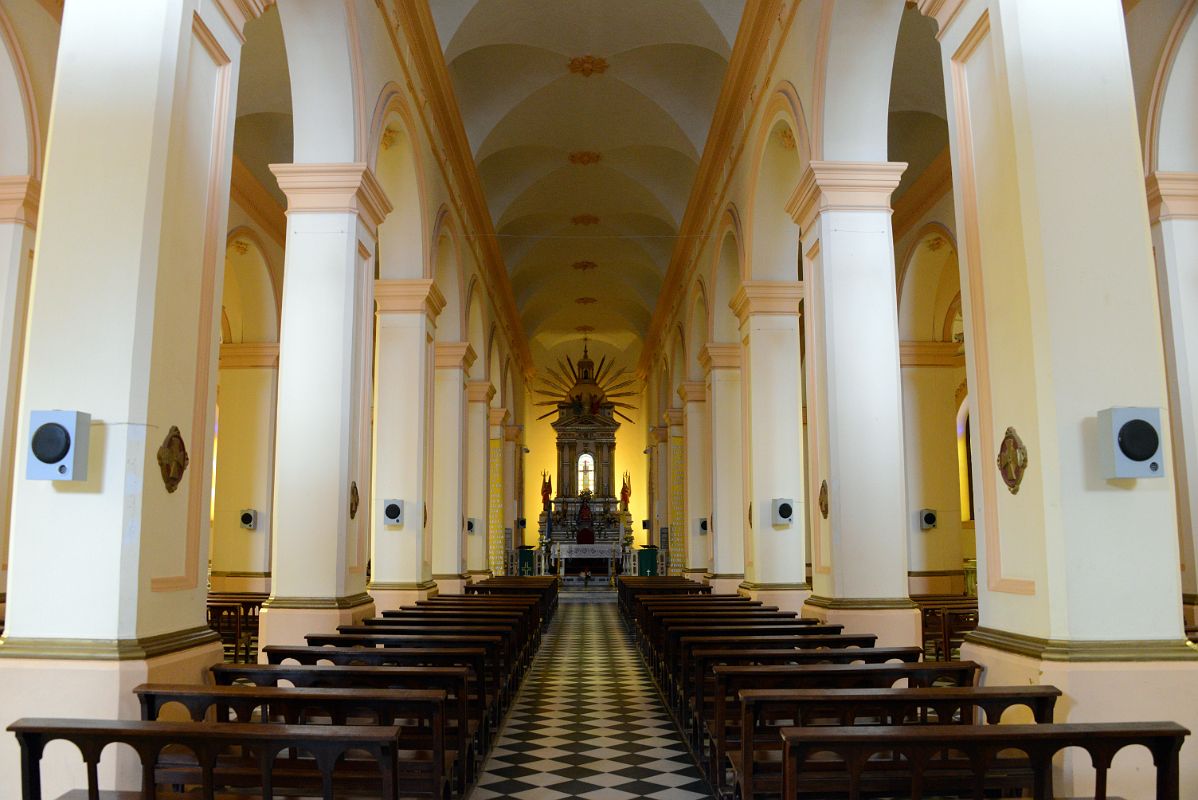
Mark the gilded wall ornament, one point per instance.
(172, 459)
(585, 328)
(1012, 460)
(353, 499)
(583, 266)
(823, 499)
(587, 65)
(585, 219)
(585, 301)
(585, 157)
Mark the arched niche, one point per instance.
(929, 286)
(476, 333)
(781, 153)
(249, 302)
(726, 272)
(20, 137)
(396, 165)
(495, 368)
(696, 330)
(447, 275)
(1173, 137)
(678, 367)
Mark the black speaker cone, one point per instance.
(1138, 440)
(785, 511)
(247, 518)
(392, 511)
(51, 443)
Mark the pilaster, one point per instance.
(447, 515)
(478, 490)
(729, 513)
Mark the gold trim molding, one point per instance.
(770, 298)
(401, 586)
(754, 586)
(334, 188)
(713, 576)
(843, 186)
(498, 417)
(719, 356)
(1172, 195)
(931, 354)
(1082, 651)
(693, 391)
(19, 199)
(143, 647)
(480, 391)
(249, 355)
(453, 355)
(861, 603)
(350, 601)
(408, 297)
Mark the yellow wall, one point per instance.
(540, 440)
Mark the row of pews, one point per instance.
(403, 705)
(775, 705)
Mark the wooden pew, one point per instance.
(669, 658)
(721, 721)
(465, 715)
(756, 766)
(208, 741)
(979, 765)
(424, 763)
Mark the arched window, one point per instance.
(586, 473)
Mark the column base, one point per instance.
(726, 583)
(695, 573)
(938, 581)
(390, 596)
(476, 575)
(99, 686)
(451, 584)
(258, 582)
(786, 596)
(1101, 682)
(896, 621)
(287, 620)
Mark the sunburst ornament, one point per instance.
(585, 389)
(583, 266)
(585, 301)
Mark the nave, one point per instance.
(589, 722)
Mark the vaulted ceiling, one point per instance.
(587, 121)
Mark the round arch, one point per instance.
(447, 274)
(781, 152)
(20, 128)
(249, 303)
(697, 327)
(726, 271)
(929, 283)
(395, 161)
(476, 331)
(1174, 99)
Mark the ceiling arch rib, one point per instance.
(587, 123)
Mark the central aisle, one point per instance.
(588, 721)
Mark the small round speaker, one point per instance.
(247, 518)
(1138, 440)
(51, 443)
(785, 511)
(391, 511)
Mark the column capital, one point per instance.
(19, 198)
(772, 298)
(931, 354)
(843, 186)
(693, 392)
(1172, 195)
(719, 356)
(512, 433)
(660, 433)
(943, 11)
(248, 355)
(453, 355)
(479, 391)
(674, 417)
(408, 296)
(498, 416)
(334, 188)
(239, 12)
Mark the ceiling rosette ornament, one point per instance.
(588, 65)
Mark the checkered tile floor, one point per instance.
(589, 722)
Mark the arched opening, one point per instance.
(401, 238)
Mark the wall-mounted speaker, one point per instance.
(248, 519)
(782, 512)
(471, 525)
(702, 526)
(393, 513)
(927, 519)
(1130, 444)
(522, 522)
(644, 524)
(58, 446)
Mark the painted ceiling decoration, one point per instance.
(587, 122)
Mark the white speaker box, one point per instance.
(393, 513)
(1130, 444)
(248, 518)
(58, 446)
(783, 512)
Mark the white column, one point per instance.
(729, 511)
(106, 580)
(1078, 574)
(447, 517)
(244, 466)
(18, 221)
(855, 404)
(697, 498)
(772, 392)
(405, 317)
(1173, 211)
(497, 491)
(322, 486)
(478, 493)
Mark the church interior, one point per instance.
(643, 398)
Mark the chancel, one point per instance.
(637, 398)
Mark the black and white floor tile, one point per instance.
(588, 721)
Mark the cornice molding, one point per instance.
(693, 392)
(843, 186)
(923, 193)
(498, 417)
(239, 12)
(752, 44)
(1172, 195)
(248, 192)
(408, 297)
(674, 417)
(19, 199)
(334, 188)
(943, 11)
(420, 33)
(931, 354)
(767, 298)
(479, 391)
(249, 355)
(453, 355)
(660, 434)
(512, 433)
(719, 356)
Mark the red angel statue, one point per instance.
(626, 492)
(546, 488)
